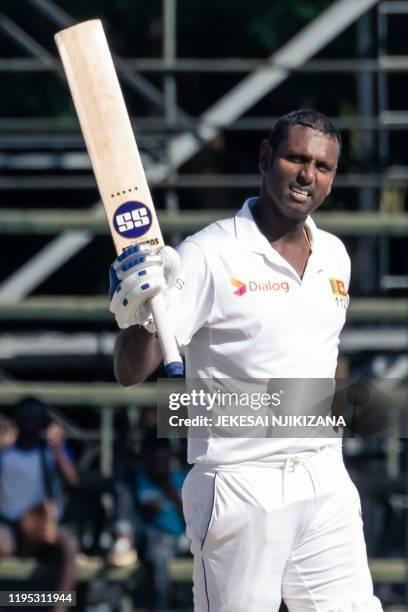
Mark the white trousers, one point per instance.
(290, 530)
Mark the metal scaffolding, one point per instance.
(181, 147)
(43, 154)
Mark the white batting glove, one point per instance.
(136, 276)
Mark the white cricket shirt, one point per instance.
(241, 311)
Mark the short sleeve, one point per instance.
(347, 266)
(348, 272)
(192, 298)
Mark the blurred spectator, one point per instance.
(123, 553)
(31, 492)
(158, 489)
(8, 432)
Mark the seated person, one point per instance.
(8, 432)
(30, 492)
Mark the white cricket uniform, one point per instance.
(267, 518)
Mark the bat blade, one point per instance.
(115, 158)
(108, 135)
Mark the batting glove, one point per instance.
(135, 277)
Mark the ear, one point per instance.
(264, 156)
(330, 186)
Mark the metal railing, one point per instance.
(96, 309)
(221, 65)
(51, 221)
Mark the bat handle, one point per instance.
(172, 360)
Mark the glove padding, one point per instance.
(135, 277)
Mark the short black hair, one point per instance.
(307, 118)
(30, 407)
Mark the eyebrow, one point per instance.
(319, 161)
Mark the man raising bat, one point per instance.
(116, 163)
(262, 295)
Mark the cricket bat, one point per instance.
(115, 158)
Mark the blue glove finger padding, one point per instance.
(132, 253)
(136, 248)
(134, 265)
(135, 252)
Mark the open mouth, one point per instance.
(299, 195)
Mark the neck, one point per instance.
(28, 443)
(274, 226)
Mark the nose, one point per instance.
(306, 174)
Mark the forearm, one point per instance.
(137, 355)
(65, 466)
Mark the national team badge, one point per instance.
(338, 288)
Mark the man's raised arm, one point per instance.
(135, 277)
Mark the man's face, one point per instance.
(298, 175)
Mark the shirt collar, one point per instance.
(247, 231)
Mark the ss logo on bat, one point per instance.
(129, 220)
(132, 219)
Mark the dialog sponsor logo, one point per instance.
(239, 286)
(253, 286)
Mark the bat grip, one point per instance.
(172, 360)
